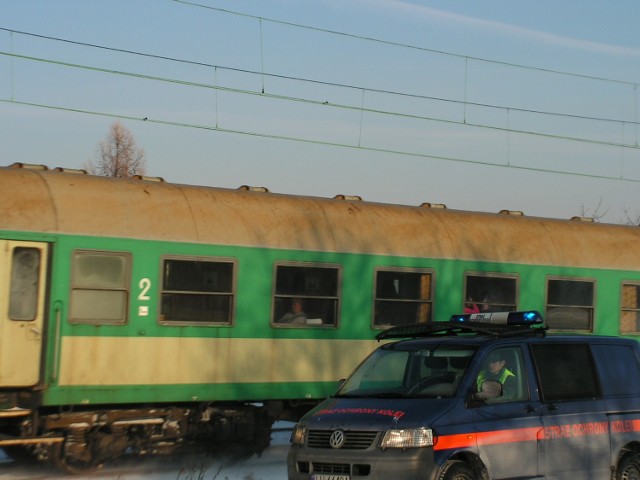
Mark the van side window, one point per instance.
(505, 365)
(566, 372)
(617, 363)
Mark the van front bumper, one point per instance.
(371, 464)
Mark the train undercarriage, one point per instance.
(81, 439)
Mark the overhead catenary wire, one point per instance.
(402, 45)
(465, 102)
(320, 142)
(362, 109)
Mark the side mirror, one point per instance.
(490, 389)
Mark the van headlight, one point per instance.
(408, 438)
(298, 435)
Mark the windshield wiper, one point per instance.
(371, 395)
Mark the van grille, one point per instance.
(353, 440)
(331, 468)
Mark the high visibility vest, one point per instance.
(504, 375)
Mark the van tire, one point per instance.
(456, 470)
(629, 467)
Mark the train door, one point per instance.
(22, 298)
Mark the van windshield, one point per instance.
(393, 372)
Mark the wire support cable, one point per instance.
(263, 74)
(358, 108)
(402, 45)
(315, 142)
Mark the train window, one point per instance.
(630, 315)
(486, 292)
(570, 304)
(402, 296)
(99, 286)
(197, 291)
(25, 279)
(306, 294)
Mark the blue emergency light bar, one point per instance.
(521, 319)
(490, 323)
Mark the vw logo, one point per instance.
(336, 440)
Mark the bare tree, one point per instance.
(598, 213)
(632, 218)
(119, 156)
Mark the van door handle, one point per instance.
(529, 409)
(551, 407)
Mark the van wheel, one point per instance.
(457, 470)
(629, 467)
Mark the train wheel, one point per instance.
(73, 465)
(629, 467)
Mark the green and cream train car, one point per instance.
(138, 315)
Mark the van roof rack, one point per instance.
(499, 324)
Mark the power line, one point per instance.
(335, 84)
(403, 45)
(316, 142)
(361, 108)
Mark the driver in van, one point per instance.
(495, 369)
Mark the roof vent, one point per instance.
(148, 179)
(249, 188)
(352, 198)
(515, 213)
(433, 205)
(75, 171)
(28, 166)
(582, 219)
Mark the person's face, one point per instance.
(296, 307)
(495, 366)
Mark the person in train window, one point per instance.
(471, 307)
(296, 315)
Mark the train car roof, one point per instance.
(57, 202)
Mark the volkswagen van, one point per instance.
(425, 405)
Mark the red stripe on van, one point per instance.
(495, 437)
(461, 440)
(508, 436)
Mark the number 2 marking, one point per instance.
(145, 285)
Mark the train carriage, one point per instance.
(138, 315)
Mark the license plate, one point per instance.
(329, 477)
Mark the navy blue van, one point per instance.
(482, 396)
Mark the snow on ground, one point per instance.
(271, 465)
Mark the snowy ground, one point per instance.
(271, 465)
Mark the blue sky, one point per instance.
(480, 105)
